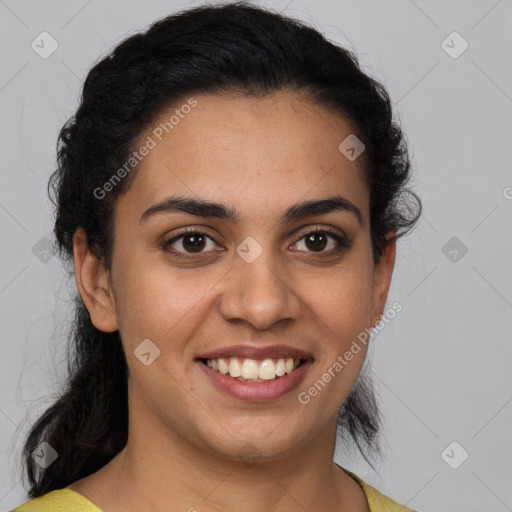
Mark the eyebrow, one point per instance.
(209, 209)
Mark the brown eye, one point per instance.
(316, 241)
(187, 244)
(195, 242)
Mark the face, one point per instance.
(260, 279)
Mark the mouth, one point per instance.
(255, 380)
(254, 370)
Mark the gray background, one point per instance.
(442, 366)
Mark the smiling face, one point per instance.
(189, 295)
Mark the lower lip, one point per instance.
(257, 391)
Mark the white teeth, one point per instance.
(250, 369)
(280, 368)
(223, 367)
(235, 369)
(267, 370)
(254, 370)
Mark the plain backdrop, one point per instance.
(442, 366)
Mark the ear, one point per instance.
(382, 277)
(93, 282)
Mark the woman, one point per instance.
(231, 189)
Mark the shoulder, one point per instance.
(377, 501)
(61, 500)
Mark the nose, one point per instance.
(260, 293)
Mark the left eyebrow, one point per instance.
(209, 209)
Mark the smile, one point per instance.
(253, 370)
(255, 380)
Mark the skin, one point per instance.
(188, 441)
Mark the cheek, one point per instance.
(341, 317)
(342, 300)
(155, 302)
(341, 309)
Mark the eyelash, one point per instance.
(343, 243)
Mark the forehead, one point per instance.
(258, 153)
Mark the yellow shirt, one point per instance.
(66, 500)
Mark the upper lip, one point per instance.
(254, 352)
